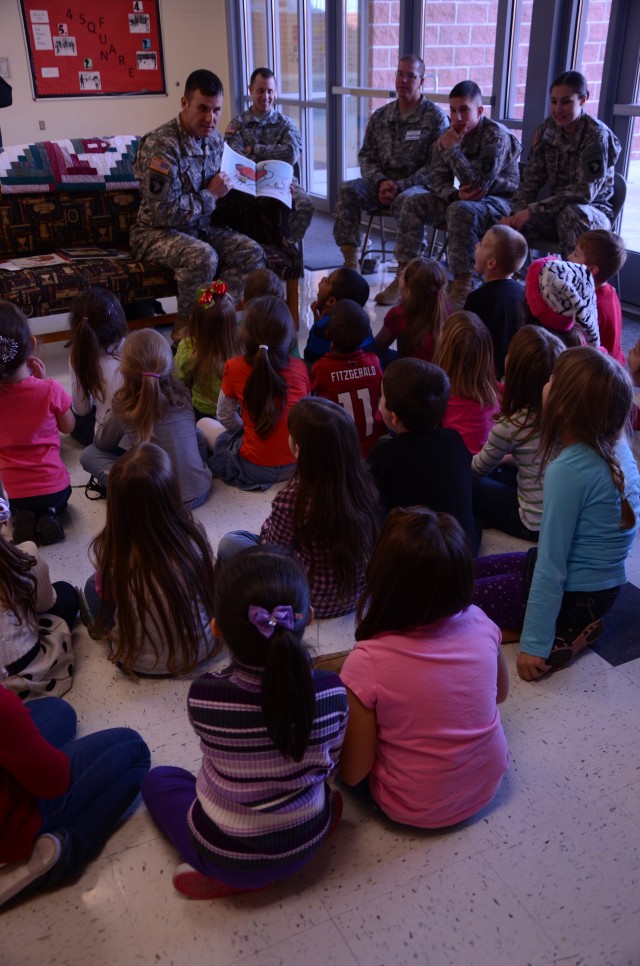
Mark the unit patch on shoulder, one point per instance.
(160, 167)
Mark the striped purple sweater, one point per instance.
(255, 808)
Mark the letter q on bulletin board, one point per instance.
(79, 48)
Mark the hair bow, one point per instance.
(206, 295)
(5, 510)
(267, 622)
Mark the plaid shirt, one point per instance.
(314, 558)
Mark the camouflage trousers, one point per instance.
(301, 213)
(196, 260)
(354, 197)
(466, 222)
(566, 225)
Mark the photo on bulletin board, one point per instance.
(76, 51)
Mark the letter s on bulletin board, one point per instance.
(80, 49)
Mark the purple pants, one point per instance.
(169, 792)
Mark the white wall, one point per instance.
(194, 36)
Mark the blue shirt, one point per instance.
(581, 546)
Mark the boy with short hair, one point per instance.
(259, 282)
(500, 300)
(604, 254)
(348, 375)
(342, 283)
(423, 464)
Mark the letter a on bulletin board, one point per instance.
(88, 49)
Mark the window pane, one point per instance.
(258, 41)
(317, 56)
(459, 43)
(371, 38)
(288, 53)
(517, 76)
(592, 40)
(317, 121)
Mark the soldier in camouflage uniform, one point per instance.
(178, 167)
(575, 155)
(261, 132)
(483, 156)
(394, 157)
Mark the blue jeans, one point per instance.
(234, 543)
(106, 772)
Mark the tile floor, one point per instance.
(549, 873)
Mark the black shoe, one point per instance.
(24, 526)
(50, 529)
(94, 490)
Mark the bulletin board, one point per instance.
(76, 51)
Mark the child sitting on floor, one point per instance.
(348, 375)
(589, 519)
(327, 516)
(508, 496)
(424, 739)
(34, 411)
(561, 297)
(500, 301)
(153, 589)
(422, 463)
(151, 404)
(604, 254)
(98, 330)
(249, 441)
(36, 617)
(465, 353)
(271, 729)
(415, 324)
(342, 283)
(211, 339)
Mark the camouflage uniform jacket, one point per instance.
(271, 136)
(578, 169)
(399, 148)
(173, 169)
(486, 158)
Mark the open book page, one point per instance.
(32, 261)
(266, 179)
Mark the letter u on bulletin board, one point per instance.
(80, 49)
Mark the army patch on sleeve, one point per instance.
(593, 162)
(158, 186)
(159, 166)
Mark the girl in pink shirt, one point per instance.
(424, 736)
(33, 412)
(465, 352)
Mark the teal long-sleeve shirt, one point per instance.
(581, 546)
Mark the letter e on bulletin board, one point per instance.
(85, 49)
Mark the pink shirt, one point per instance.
(395, 321)
(610, 321)
(30, 463)
(440, 748)
(473, 421)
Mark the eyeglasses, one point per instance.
(400, 74)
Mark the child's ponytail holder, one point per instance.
(206, 295)
(8, 349)
(152, 375)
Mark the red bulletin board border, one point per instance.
(75, 51)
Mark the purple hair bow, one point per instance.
(267, 622)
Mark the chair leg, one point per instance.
(365, 241)
(292, 301)
(383, 241)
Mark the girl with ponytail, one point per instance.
(589, 518)
(249, 439)
(98, 330)
(271, 729)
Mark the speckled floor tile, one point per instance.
(463, 914)
(234, 927)
(578, 878)
(319, 946)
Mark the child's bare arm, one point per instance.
(66, 421)
(359, 748)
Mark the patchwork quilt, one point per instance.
(77, 164)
